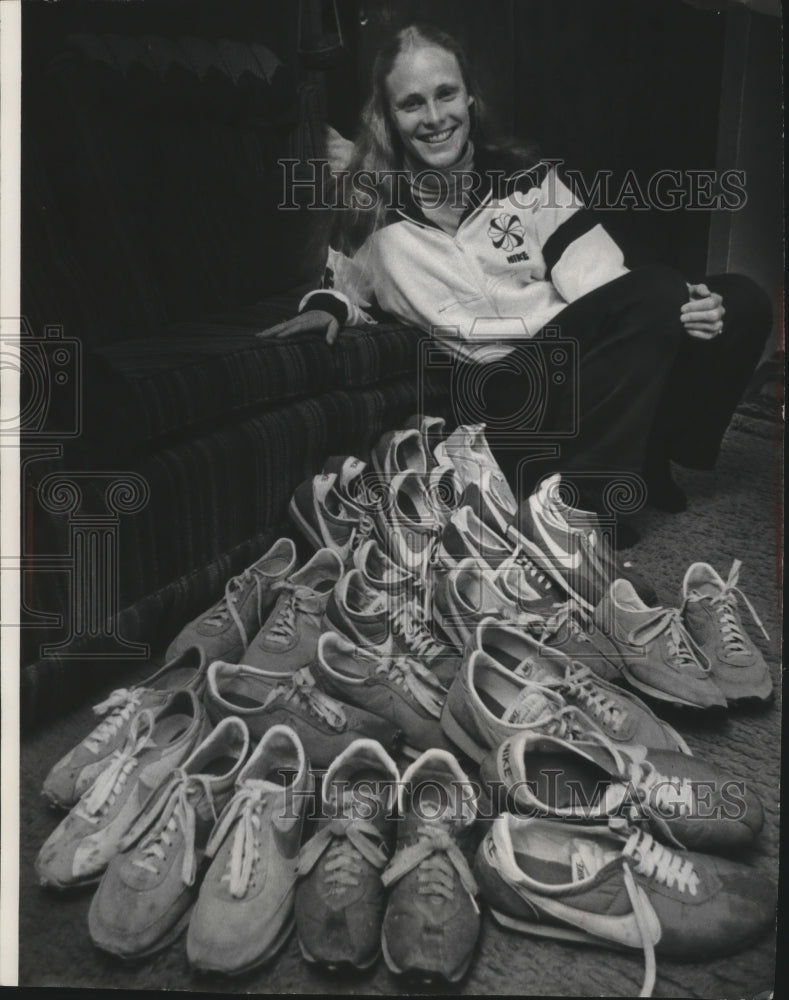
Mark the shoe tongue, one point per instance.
(531, 669)
(271, 789)
(527, 707)
(377, 605)
(368, 802)
(587, 858)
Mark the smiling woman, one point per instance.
(487, 249)
(430, 105)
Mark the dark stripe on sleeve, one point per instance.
(328, 303)
(568, 232)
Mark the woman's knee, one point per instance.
(661, 285)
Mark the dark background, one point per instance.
(604, 84)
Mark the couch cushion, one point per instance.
(199, 376)
(151, 183)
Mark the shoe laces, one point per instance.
(678, 641)
(660, 796)
(654, 861)
(661, 863)
(437, 860)
(564, 617)
(565, 721)
(303, 693)
(298, 600)
(245, 811)
(408, 620)
(173, 816)
(420, 683)
(726, 606)
(346, 841)
(125, 701)
(234, 590)
(362, 532)
(110, 783)
(580, 684)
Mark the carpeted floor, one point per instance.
(734, 513)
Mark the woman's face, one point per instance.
(429, 105)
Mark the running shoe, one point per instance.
(464, 536)
(380, 572)
(240, 690)
(398, 451)
(580, 639)
(244, 912)
(659, 657)
(411, 522)
(75, 772)
(487, 703)
(339, 893)
(159, 739)
(574, 544)
(618, 887)
(467, 594)
(523, 580)
(397, 688)
(325, 725)
(468, 450)
(358, 611)
(432, 431)
(375, 619)
(326, 519)
(432, 920)
(485, 499)
(621, 716)
(360, 490)
(146, 896)
(528, 573)
(352, 480)
(711, 613)
(682, 800)
(226, 629)
(444, 490)
(289, 636)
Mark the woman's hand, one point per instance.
(338, 150)
(703, 314)
(311, 321)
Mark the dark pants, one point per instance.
(642, 386)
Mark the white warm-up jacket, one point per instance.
(526, 247)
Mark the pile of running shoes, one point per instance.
(252, 785)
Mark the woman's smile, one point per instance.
(437, 137)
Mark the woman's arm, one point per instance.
(345, 294)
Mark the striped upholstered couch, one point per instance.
(167, 439)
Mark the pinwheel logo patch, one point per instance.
(506, 232)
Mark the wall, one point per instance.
(750, 241)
